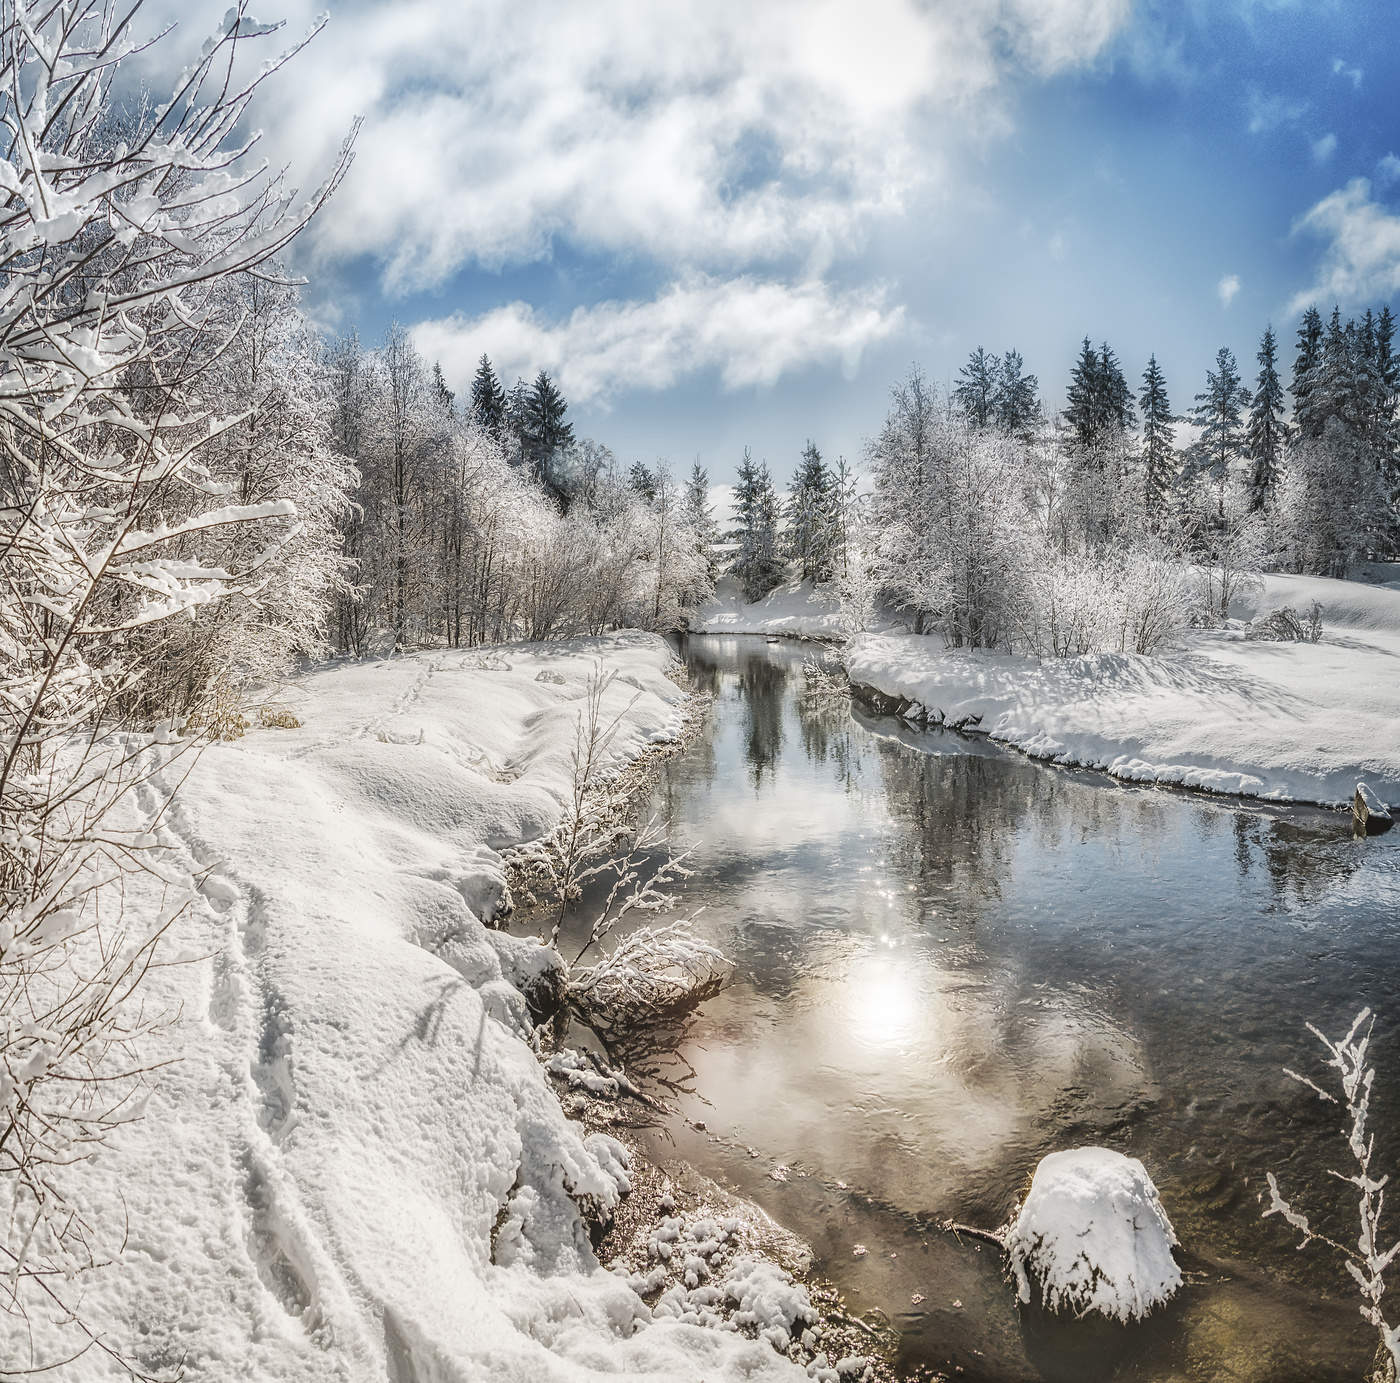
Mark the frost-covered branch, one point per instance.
(1368, 1261)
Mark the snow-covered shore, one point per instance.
(794, 610)
(357, 1168)
(1283, 721)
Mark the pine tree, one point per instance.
(642, 481)
(515, 423)
(1099, 399)
(444, 400)
(1082, 405)
(1218, 414)
(1267, 432)
(810, 518)
(1158, 434)
(1305, 365)
(488, 399)
(1016, 400)
(545, 429)
(975, 391)
(1115, 408)
(700, 515)
(757, 564)
(844, 514)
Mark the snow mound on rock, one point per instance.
(1092, 1236)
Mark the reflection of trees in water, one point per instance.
(762, 683)
(962, 812)
(1305, 859)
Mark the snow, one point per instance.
(1281, 721)
(357, 1167)
(1092, 1237)
(795, 610)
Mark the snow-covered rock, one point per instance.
(1092, 1237)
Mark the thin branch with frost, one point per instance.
(1368, 1261)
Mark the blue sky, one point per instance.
(739, 221)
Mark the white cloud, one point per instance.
(1348, 73)
(1227, 288)
(719, 135)
(752, 331)
(1268, 112)
(1361, 261)
(1324, 148)
(1388, 170)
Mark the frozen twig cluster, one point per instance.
(1368, 1261)
(624, 866)
(119, 230)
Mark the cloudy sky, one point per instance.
(739, 221)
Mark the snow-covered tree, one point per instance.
(1218, 412)
(810, 521)
(642, 480)
(1099, 398)
(119, 232)
(1016, 400)
(975, 393)
(546, 430)
(758, 562)
(1267, 432)
(1158, 434)
(488, 399)
(700, 515)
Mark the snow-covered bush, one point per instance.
(1092, 1237)
(1368, 1262)
(119, 233)
(651, 973)
(1285, 626)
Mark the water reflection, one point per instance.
(950, 960)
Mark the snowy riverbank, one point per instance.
(794, 610)
(357, 1168)
(1282, 721)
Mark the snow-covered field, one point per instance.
(357, 1168)
(1284, 721)
(794, 610)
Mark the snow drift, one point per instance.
(795, 610)
(357, 1168)
(1282, 721)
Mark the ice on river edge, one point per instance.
(1092, 1237)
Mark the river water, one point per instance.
(950, 960)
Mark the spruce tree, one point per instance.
(1305, 365)
(975, 391)
(642, 481)
(546, 432)
(1267, 432)
(1218, 414)
(809, 516)
(1016, 400)
(757, 563)
(443, 397)
(1082, 405)
(1158, 435)
(488, 399)
(515, 423)
(700, 515)
(1115, 404)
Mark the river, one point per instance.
(950, 960)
